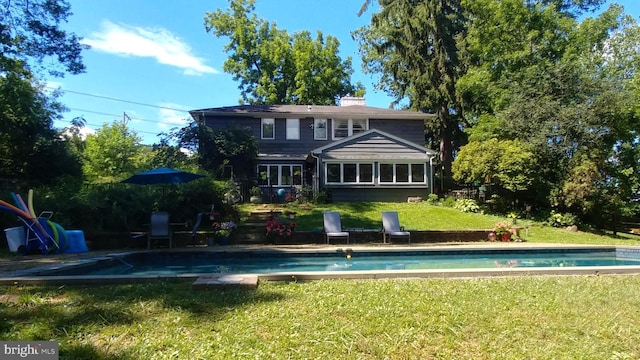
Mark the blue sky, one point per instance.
(154, 61)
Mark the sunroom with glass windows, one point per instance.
(374, 166)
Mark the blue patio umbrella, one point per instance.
(162, 175)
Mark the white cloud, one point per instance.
(172, 118)
(156, 43)
(52, 84)
(82, 132)
(85, 130)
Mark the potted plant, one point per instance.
(277, 230)
(255, 193)
(503, 231)
(223, 231)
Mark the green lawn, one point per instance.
(420, 216)
(550, 317)
(574, 317)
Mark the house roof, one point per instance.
(327, 111)
(374, 144)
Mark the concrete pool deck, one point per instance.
(16, 269)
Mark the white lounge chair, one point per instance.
(160, 228)
(333, 226)
(391, 227)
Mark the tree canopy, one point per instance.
(232, 146)
(274, 67)
(110, 154)
(30, 31)
(538, 95)
(564, 87)
(31, 150)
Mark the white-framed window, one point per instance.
(320, 129)
(348, 173)
(359, 125)
(293, 129)
(268, 128)
(346, 127)
(399, 173)
(279, 175)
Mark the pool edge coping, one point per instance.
(21, 277)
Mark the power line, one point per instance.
(114, 115)
(116, 99)
(138, 131)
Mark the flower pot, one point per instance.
(223, 240)
(505, 237)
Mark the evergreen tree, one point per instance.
(417, 48)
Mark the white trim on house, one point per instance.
(398, 163)
(286, 174)
(428, 152)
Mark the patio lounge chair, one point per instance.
(333, 227)
(391, 227)
(160, 228)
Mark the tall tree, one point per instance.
(30, 31)
(32, 41)
(111, 153)
(233, 146)
(416, 46)
(274, 67)
(30, 149)
(563, 87)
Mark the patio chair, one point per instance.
(333, 227)
(391, 227)
(160, 228)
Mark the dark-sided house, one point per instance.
(357, 152)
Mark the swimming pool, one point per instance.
(350, 263)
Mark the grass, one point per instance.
(420, 216)
(551, 317)
(514, 318)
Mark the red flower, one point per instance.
(276, 228)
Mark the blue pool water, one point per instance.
(262, 262)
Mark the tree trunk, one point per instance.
(446, 146)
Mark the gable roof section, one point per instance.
(318, 111)
(374, 144)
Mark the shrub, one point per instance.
(449, 201)
(561, 219)
(322, 197)
(432, 199)
(466, 205)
